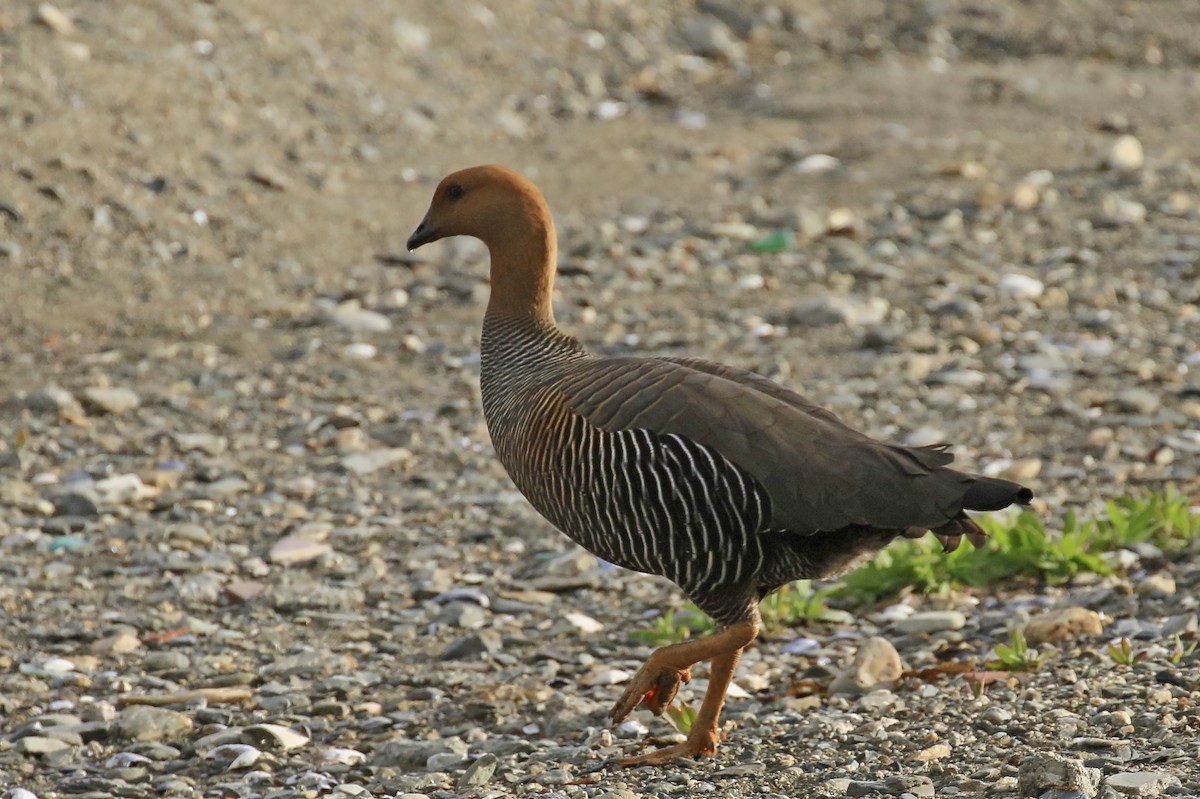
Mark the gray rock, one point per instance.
(1141, 783)
(75, 505)
(144, 723)
(1045, 773)
(41, 745)
(470, 647)
(168, 660)
(912, 784)
(414, 755)
(478, 773)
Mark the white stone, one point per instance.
(1020, 287)
(932, 621)
(1126, 154)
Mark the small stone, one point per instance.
(414, 755)
(470, 647)
(1025, 196)
(244, 590)
(876, 664)
(711, 38)
(1156, 585)
(1062, 624)
(54, 19)
(274, 736)
(145, 723)
(935, 752)
(831, 309)
(1137, 400)
(478, 773)
(113, 400)
(352, 316)
(1141, 783)
(293, 549)
(75, 505)
(1020, 287)
(410, 37)
(1126, 154)
(237, 756)
(608, 677)
(932, 621)
(58, 666)
(816, 164)
(343, 756)
(583, 623)
(40, 745)
(375, 459)
(914, 785)
(167, 660)
(122, 489)
(1046, 771)
(120, 644)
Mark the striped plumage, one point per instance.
(722, 481)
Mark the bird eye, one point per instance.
(454, 191)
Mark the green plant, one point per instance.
(672, 627)
(1181, 650)
(1016, 655)
(1122, 652)
(1022, 546)
(797, 603)
(683, 716)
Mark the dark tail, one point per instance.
(986, 493)
(990, 493)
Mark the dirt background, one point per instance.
(305, 135)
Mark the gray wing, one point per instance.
(819, 473)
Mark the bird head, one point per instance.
(487, 202)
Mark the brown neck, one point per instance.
(524, 257)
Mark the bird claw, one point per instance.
(654, 685)
(699, 743)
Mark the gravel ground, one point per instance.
(254, 541)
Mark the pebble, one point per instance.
(1141, 783)
(1020, 287)
(144, 723)
(54, 19)
(113, 400)
(1063, 624)
(293, 549)
(1137, 400)
(932, 621)
(355, 318)
(470, 647)
(274, 736)
(371, 461)
(478, 773)
(711, 38)
(1158, 584)
(1043, 773)
(913, 785)
(876, 664)
(118, 644)
(1125, 154)
(40, 745)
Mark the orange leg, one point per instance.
(657, 682)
